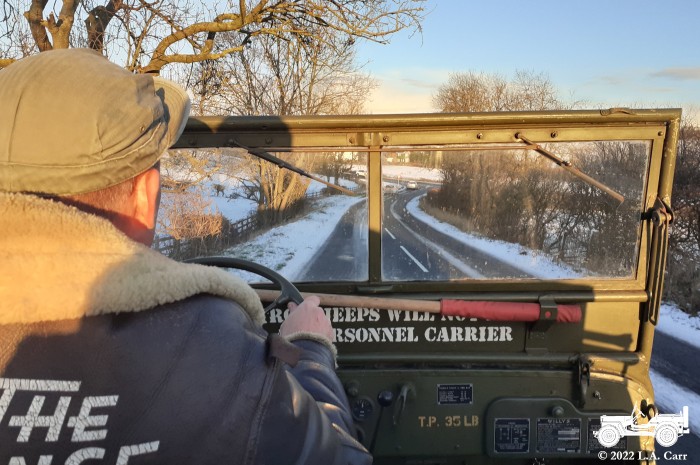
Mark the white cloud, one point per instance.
(680, 74)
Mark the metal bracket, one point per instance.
(661, 217)
(538, 330)
(548, 315)
(584, 377)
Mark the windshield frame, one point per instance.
(375, 133)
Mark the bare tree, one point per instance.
(683, 281)
(282, 76)
(248, 57)
(512, 201)
(477, 92)
(686, 229)
(150, 35)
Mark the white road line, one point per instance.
(389, 233)
(454, 261)
(420, 265)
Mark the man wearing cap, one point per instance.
(109, 351)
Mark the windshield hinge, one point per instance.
(661, 217)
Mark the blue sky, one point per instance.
(604, 52)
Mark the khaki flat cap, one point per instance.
(72, 122)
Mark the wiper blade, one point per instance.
(288, 166)
(571, 168)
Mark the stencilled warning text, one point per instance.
(371, 325)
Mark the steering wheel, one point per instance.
(288, 293)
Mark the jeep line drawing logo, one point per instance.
(666, 428)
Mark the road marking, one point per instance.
(389, 233)
(420, 265)
(454, 261)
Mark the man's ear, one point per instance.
(146, 197)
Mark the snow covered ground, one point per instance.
(669, 395)
(675, 322)
(672, 397)
(530, 261)
(287, 249)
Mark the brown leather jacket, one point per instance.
(89, 373)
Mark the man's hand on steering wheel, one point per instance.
(308, 317)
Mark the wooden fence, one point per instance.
(232, 233)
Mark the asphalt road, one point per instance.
(413, 234)
(412, 250)
(344, 255)
(678, 361)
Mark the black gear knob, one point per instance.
(385, 398)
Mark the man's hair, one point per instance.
(105, 202)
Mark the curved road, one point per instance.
(412, 250)
(466, 261)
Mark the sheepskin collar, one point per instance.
(57, 262)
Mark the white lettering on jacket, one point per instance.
(90, 424)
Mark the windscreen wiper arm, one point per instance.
(571, 168)
(288, 166)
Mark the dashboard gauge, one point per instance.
(362, 408)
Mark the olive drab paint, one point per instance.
(425, 387)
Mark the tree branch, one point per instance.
(290, 20)
(96, 23)
(61, 36)
(160, 59)
(35, 17)
(5, 62)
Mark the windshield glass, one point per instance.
(448, 212)
(512, 213)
